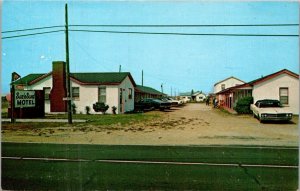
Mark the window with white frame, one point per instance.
(75, 92)
(47, 92)
(222, 86)
(284, 96)
(102, 94)
(130, 93)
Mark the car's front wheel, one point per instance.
(260, 120)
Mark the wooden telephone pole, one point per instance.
(12, 99)
(69, 97)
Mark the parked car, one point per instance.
(152, 103)
(270, 110)
(185, 99)
(172, 101)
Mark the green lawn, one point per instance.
(108, 119)
(96, 120)
(92, 175)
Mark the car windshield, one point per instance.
(270, 104)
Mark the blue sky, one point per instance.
(182, 63)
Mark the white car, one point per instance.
(173, 101)
(186, 99)
(270, 110)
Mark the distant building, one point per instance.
(113, 88)
(142, 92)
(282, 85)
(186, 97)
(197, 96)
(227, 83)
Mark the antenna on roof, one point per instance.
(142, 78)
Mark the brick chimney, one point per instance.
(59, 89)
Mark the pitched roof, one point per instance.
(260, 80)
(103, 78)
(149, 90)
(27, 80)
(197, 93)
(185, 94)
(228, 79)
(189, 93)
(234, 87)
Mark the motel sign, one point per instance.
(24, 99)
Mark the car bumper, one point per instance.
(164, 107)
(276, 118)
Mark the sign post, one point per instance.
(12, 104)
(14, 77)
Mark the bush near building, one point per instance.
(243, 105)
(99, 106)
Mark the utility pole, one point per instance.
(142, 78)
(120, 68)
(171, 92)
(69, 106)
(162, 89)
(12, 99)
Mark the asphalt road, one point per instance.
(102, 167)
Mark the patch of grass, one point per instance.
(29, 125)
(92, 120)
(99, 120)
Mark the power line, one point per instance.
(30, 29)
(229, 25)
(145, 33)
(182, 25)
(32, 34)
(184, 34)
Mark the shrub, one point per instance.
(99, 106)
(87, 110)
(243, 105)
(114, 108)
(74, 108)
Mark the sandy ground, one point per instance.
(194, 124)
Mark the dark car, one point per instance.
(152, 103)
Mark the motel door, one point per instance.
(121, 101)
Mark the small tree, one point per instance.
(87, 110)
(114, 108)
(74, 108)
(243, 105)
(100, 106)
(192, 92)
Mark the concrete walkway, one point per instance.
(46, 120)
